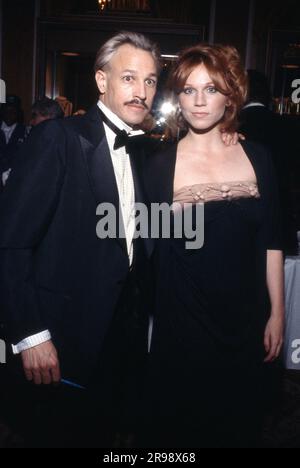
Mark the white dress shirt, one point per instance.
(123, 174)
(5, 176)
(8, 131)
(124, 179)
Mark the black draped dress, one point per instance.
(212, 306)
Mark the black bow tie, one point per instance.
(122, 137)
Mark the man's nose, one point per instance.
(140, 90)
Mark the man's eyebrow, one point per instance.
(135, 71)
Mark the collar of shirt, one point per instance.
(119, 123)
(254, 104)
(8, 130)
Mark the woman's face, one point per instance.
(202, 105)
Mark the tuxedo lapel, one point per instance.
(137, 158)
(2, 139)
(166, 175)
(135, 161)
(17, 136)
(100, 171)
(99, 166)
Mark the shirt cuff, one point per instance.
(5, 176)
(31, 342)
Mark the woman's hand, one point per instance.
(232, 138)
(273, 340)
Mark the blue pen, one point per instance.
(72, 384)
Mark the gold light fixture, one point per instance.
(70, 54)
(290, 66)
(103, 4)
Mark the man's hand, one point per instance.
(232, 138)
(41, 364)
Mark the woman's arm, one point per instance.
(275, 327)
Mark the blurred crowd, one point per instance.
(14, 131)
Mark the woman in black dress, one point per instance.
(220, 309)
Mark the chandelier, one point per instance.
(103, 4)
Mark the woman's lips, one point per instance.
(200, 114)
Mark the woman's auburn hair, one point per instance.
(226, 71)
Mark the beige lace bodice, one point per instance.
(201, 193)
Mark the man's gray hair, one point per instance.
(107, 51)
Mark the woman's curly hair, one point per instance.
(226, 71)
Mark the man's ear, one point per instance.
(101, 80)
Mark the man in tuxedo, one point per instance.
(70, 301)
(12, 135)
(259, 123)
(45, 109)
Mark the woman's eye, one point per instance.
(212, 89)
(188, 91)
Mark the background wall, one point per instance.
(17, 48)
(25, 21)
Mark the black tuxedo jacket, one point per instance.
(9, 150)
(275, 132)
(55, 273)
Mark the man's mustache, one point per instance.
(138, 102)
